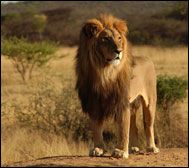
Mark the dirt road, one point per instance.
(175, 157)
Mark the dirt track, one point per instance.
(168, 157)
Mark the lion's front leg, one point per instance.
(97, 129)
(133, 136)
(123, 123)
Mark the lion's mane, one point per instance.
(103, 90)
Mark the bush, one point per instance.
(169, 125)
(27, 56)
(170, 90)
(52, 109)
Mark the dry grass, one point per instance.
(171, 61)
(22, 144)
(26, 145)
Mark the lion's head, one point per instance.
(105, 40)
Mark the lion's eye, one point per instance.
(119, 38)
(105, 39)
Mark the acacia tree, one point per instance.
(27, 56)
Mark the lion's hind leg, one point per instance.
(149, 116)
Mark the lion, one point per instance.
(111, 82)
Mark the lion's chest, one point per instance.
(104, 102)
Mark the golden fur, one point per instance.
(105, 70)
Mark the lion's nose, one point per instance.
(118, 51)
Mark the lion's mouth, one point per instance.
(116, 58)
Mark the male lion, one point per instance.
(110, 82)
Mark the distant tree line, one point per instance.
(62, 25)
(169, 27)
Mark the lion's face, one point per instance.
(107, 36)
(110, 46)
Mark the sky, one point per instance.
(8, 1)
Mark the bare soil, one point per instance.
(174, 157)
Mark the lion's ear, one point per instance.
(91, 28)
(121, 26)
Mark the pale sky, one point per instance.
(8, 1)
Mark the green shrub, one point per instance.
(169, 124)
(170, 90)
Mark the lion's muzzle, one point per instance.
(116, 59)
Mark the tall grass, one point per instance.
(27, 144)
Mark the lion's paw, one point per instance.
(153, 149)
(117, 153)
(134, 149)
(97, 152)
